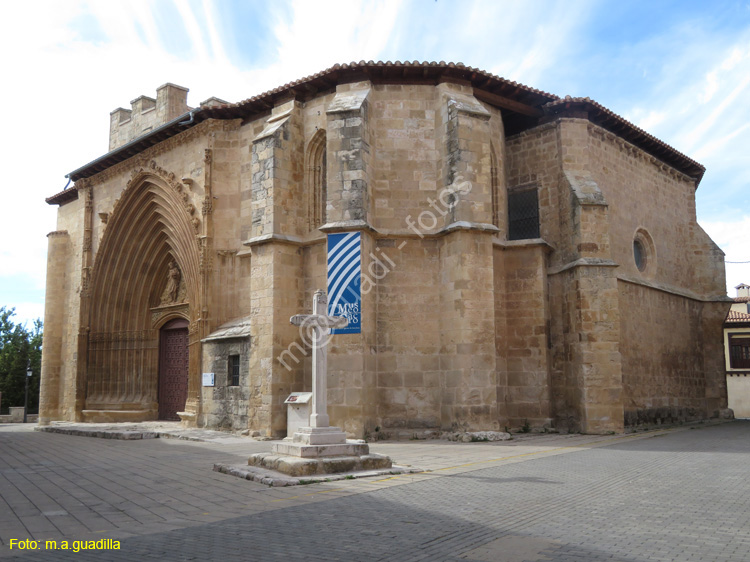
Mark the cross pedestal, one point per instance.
(319, 448)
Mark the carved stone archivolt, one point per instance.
(140, 175)
(174, 310)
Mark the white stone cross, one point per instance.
(319, 322)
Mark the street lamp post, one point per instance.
(29, 372)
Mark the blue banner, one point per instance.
(344, 280)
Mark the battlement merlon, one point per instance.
(146, 114)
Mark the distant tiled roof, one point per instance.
(741, 299)
(735, 317)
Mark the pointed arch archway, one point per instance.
(149, 235)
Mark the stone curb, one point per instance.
(277, 479)
(103, 434)
(131, 435)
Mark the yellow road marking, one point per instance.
(499, 459)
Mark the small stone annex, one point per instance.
(527, 260)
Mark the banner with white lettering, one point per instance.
(344, 280)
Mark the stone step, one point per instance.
(297, 466)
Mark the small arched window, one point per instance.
(316, 179)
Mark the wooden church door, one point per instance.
(173, 369)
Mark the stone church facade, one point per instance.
(526, 259)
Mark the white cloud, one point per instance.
(320, 34)
(700, 105)
(732, 237)
(194, 31)
(515, 40)
(217, 46)
(26, 313)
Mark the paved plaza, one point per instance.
(679, 494)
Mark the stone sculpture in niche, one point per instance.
(172, 290)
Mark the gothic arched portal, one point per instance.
(145, 280)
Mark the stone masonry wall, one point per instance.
(524, 389)
(405, 155)
(670, 305)
(276, 280)
(69, 219)
(53, 381)
(664, 374)
(408, 360)
(226, 406)
(146, 114)
(584, 330)
(644, 193)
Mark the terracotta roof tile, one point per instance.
(371, 65)
(741, 299)
(64, 196)
(735, 317)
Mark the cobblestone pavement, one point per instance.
(674, 495)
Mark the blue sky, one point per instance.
(678, 69)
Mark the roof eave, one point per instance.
(605, 118)
(64, 196)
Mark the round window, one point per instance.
(644, 252)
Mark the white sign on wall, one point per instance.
(208, 379)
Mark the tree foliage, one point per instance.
(18, 346)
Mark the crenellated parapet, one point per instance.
(146, 114)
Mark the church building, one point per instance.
(524, 259)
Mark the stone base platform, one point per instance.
(276, 478)
(299, 466)
(319, 450)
